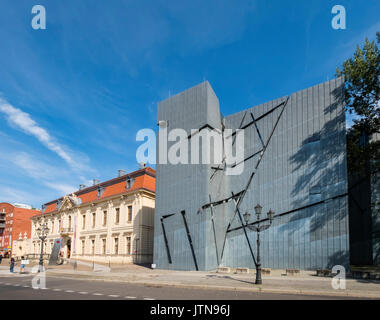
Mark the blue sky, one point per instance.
(74, 95)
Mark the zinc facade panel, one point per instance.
(307, 150)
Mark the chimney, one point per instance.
(82, 186)
(95, 182)
(121, 173)
(162, 124)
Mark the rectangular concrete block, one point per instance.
(242, 270)
(375, 276)
(292, 272)
(266, 271)
(224, 270)
(323, 273)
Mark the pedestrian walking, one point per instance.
(1, 258)
(12, 265)
(22, 266)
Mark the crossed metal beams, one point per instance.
(183, 213)
(243, 193)
(224, 158)
(253, 122)
(295, 210)
(237, 198)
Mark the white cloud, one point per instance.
(23, 120)
(12, 195)
(45, 173)
(61, 187)
(35, 169)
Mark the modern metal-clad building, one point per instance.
(294, 164)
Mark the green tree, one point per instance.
(362, 98)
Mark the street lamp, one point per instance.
(42, 232)
(258, 228)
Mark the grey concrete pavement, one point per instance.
(19, 287)
(304, 284)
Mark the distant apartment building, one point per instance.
(2, 224)
(110, 221)
(14, 224)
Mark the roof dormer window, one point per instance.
(129, 183)
(101, 191)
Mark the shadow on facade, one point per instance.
(142, 246)
(320, 191)
(376, 245)
(315, 158)
(338, 258)
(325, 177)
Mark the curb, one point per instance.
(225, 288)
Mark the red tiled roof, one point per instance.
(150, 183)
(89, 196)
(51, 207)
(143, 179)
(115, 189)
(149, 169)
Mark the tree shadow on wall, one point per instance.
(376, 245)
(340, 258)
(322, 167)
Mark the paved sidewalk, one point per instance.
(305, 283)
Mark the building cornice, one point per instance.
(124, 196)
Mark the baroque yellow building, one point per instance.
(108, 222)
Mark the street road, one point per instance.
(16, 287)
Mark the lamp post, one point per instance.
(258, 228)
(42, 232)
